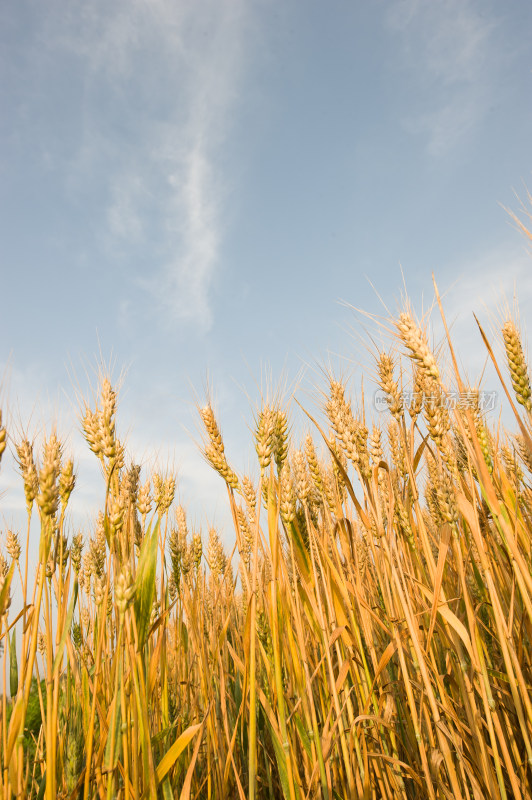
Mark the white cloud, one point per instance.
(491, 286)
(448, 45)
(445, 127)
(162, 80)
(194, 214)
(492, 282)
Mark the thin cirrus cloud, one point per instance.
(161, 82)
(453, 39)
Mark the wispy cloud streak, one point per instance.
(164, 78)
(449, 45)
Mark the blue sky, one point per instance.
(194, 192)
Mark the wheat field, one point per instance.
(369, 637)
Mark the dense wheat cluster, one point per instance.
(369, 639)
